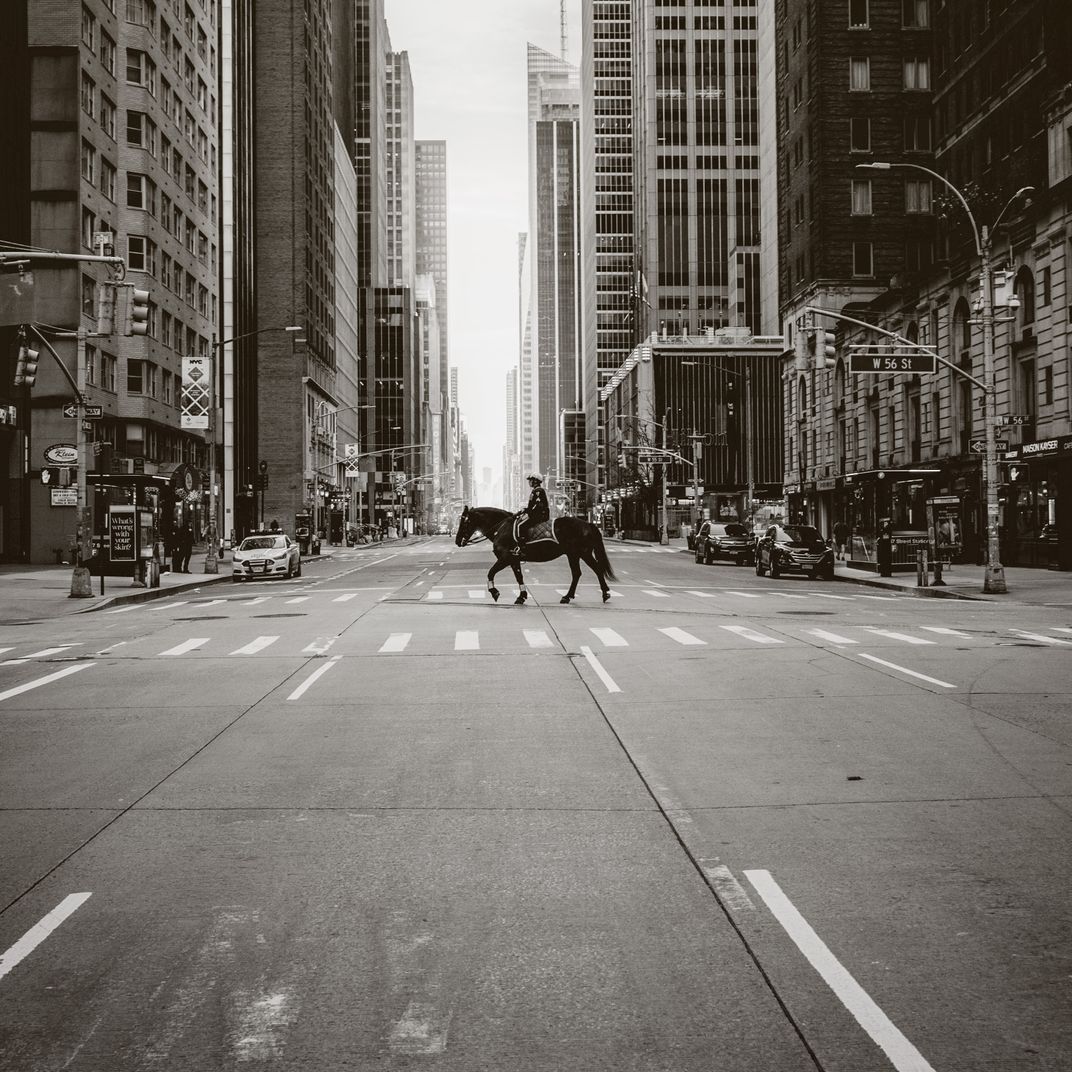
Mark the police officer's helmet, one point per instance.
(535, 478)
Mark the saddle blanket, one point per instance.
(545, 530)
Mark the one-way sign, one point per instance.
(70, 409)
(94, 413)
(978, 446)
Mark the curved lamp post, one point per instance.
(994, 576)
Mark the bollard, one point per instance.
(921, 568)
(938, 564)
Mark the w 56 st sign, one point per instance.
(871, 362)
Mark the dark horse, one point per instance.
(576, 539)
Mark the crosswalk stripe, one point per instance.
(435, 595)
(747, 595)
(702, 595)
(1041, 638)
(904, 637)
(942, 631)
(827, 595)
(1061, 629)
(2, 650)
(254, 646)
(346, 598)
(834, 638)
(884, 599)
(396, 642)
(681, 636)
(212, 602)
(610, 638)
(476, 593)
(466, 640)
(171, 606)
(48, 651)
(186, 645)
(254, 602)
(298, 599)
(790, 595)
(124, 610)
(537, 638)
(750, 634)
(655, 593)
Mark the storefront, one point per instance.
(1036, 501)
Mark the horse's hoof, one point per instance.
(494, 594)
(519, 601)
(564, 599)
(606, 596)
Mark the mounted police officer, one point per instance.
(537, 510)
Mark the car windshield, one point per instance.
(262, 543)
(797, 534)
(735, 530)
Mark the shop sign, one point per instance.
(61, 454)
(1041, 448)
(792, 489)
(826, 484)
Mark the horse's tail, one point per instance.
(600, 553)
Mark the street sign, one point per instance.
(978, 446)
(1003, 420)
(872, 363)
(70, 409)
(93, 413)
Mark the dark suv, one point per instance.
(719, 539)
(794, 549)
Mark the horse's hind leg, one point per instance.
(575, 569)
(593, 565)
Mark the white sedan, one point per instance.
(266, 556)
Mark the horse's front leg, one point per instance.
(496, 566)
(522, 593)
(575, 569)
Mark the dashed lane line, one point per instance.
(751, 634)
(609, 637)
(186, 645)
(40, 931)
(396, 642)
(904, 638)
(682, 637)
(834, 638)
(254, 646)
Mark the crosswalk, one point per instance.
(699, 633)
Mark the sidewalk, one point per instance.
(1033, 586)
(35, 592)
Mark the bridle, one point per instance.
(466, 540)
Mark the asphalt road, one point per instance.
(369, 819)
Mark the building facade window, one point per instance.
(915, 14)
(860, 134)
(917, 196)
(859, 16)
(863, 264)
(861, 197)
(917, 73)
(860, 74)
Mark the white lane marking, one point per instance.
(790, 595)
(41, 930)
(35, 655)
(396, 642)
(346, 598)
(1040, 637)
(681, 636)
(171, 606)
(477, 593)
(595, 664)
(834, 638)
(314, 676)
(610, 638)
(298, 599)
(942, 631)
(730, 891)
(435, 595)
(263, 1021)
(319, 646)
(901, 1053)
(653, 592)
(827, 595)
(254, 646)
(903, 637)
(750, 634)
(212, 602)
(654, 584)
(905, 670)
(423, 1029)
(254, 602)
(186, 645)
(124, 610)
(702, 595)
(467, 640)
(537, 638)
(1061, 629)
(2, 650)
(38, 682)
(747, 595)
(885, 599)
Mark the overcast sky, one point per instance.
(468, 60)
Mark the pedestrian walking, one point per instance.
(841, 534)
(185, 548)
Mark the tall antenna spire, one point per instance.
(562, 28)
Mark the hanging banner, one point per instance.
(196, 373)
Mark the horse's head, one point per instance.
(466, 528)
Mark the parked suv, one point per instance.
(719, 539)
(794, 549)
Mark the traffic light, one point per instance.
(106, 308)
(800, 349)
(1019, 473)
(137, 312)
(825, 349)
(26, 366)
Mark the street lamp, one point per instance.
(212, 556)
(994, 576)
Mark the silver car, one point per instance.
(269, 555)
